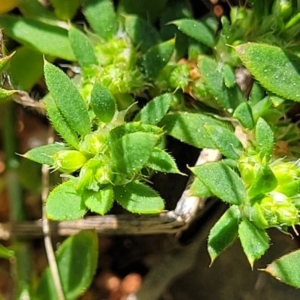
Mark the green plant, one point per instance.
(110, 146)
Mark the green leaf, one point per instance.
(255, 241)
(101, 16)
(66, 9)
(103, 103)
(211, 74)
(43, 154)
(244, 115)
(264, 182)
(77, 262)
(199, 189)
(23, 60)
(59, 122)
(196, 30)
(132, 151)
(264, 138)
(64, 204)
(155, 110)
(286, 269)
(228, 76)
(139, 198)
(5, 62)
(82, 48)
(46, 38)
(257, 93)
(225, 141)
(142, 33)
(221, 181)
(101, 201)
(132, 127)
(68, 99)
(224, 232)
(149, 10)
(161, 161)
(36, 10)
(157, 57)
(6, 252)
(190, 128)
(259, 8)
(276, 69)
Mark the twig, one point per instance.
(46, 231)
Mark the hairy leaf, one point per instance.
(137, 197)
(46, 38)
(142, 33)
(224, 232)
(132, 151)
(64, 204)
(157, 57)
(264, 138)
(286, 269)
(190, 128)
(196, 30)
(100, 201)
(276, 69)
(103, 103)
(199, 189)
(225, 141)
(255, 241)
(82, 48)
(43, 154)
(161, 161)
(59, 122)
(155, 110)
(96, 10)
(68, 99)
(221, 181)
(244, 114)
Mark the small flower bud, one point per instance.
(248, 167)
(285, 172)
(68, 161)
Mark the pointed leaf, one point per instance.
(276, 69)
(161, 161)
(286, 269)
(6, 252)
(264, 182)
(211, 74)
(157, 57)
(4, 61)
(255, 241)
(228, 76)
(68, 99)
(137, 197)
(43, 154)
(142, 33)
(155, 110)
(77, 262)
(189, 128)
(131, 152)
(224, 232)
(264, 138)
(82, 48)
(225, 141)
(199, 189)
(66, 9)
(59, 122)
(221, 181)
(99, 202)
(101, 17)
(196, 30)
(244, 114)
(46, 38)
(103, 103)
(64, 204)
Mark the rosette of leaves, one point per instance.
(103, 158)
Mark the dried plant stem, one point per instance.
(47, 233)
